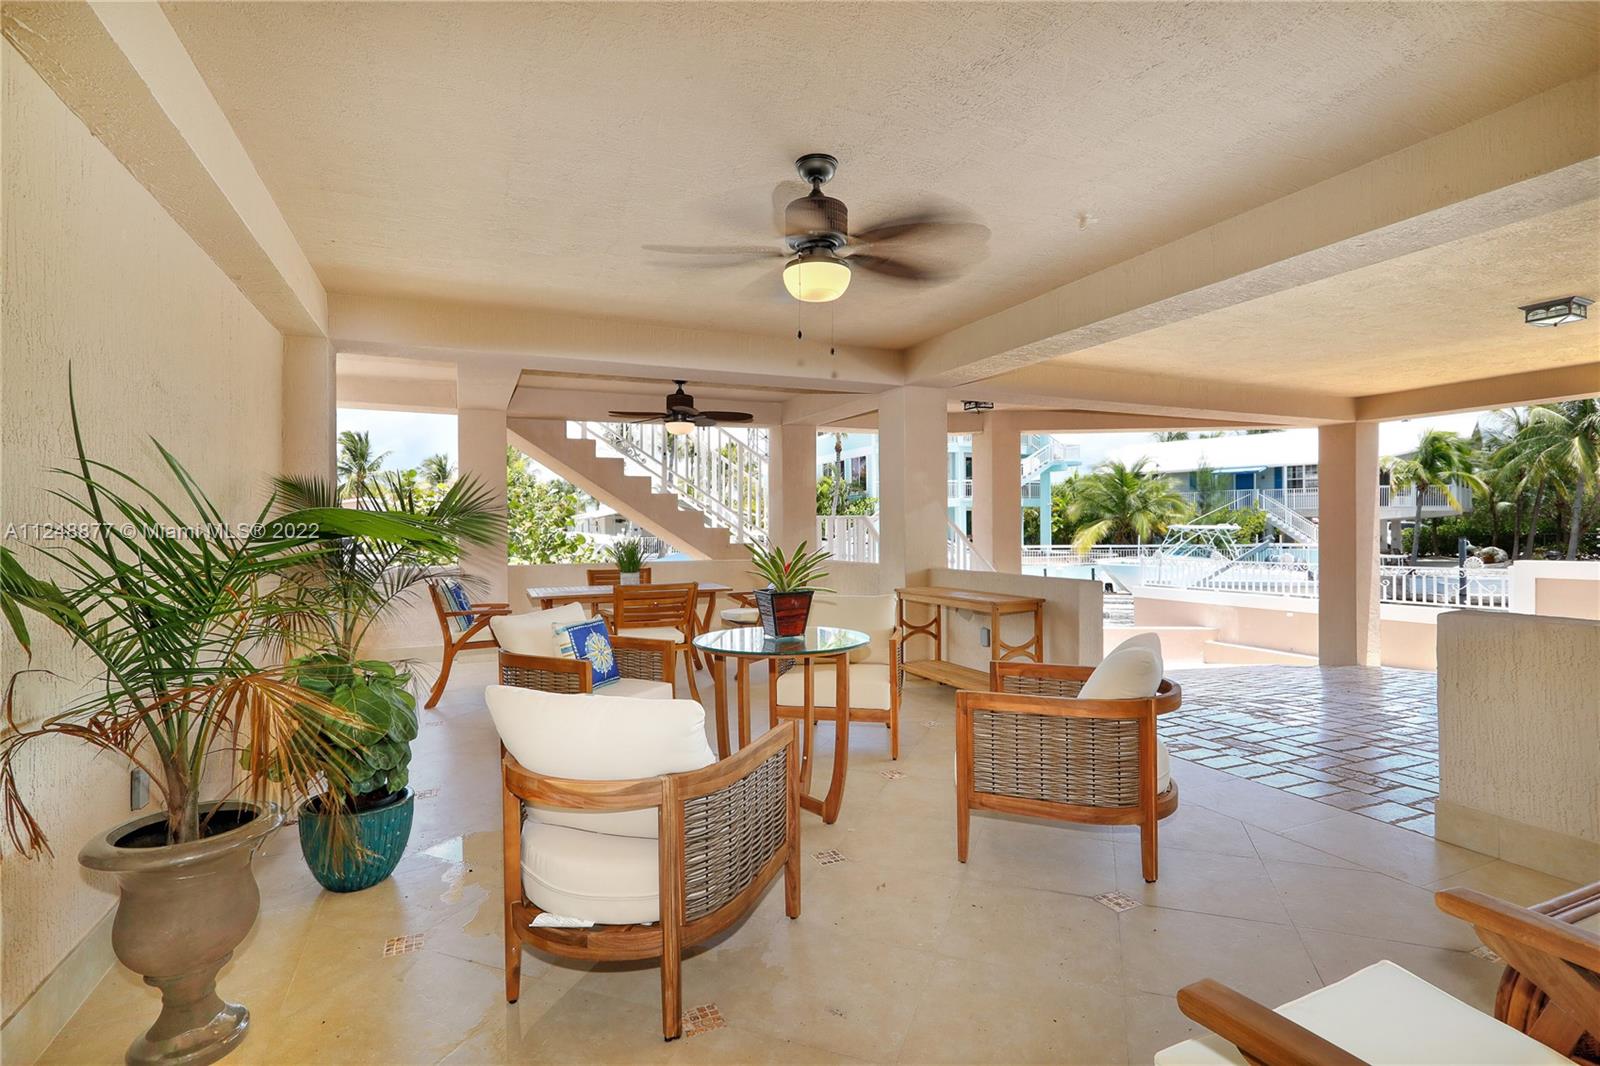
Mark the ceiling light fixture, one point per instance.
(816, 276)
(679, 426)
(1557, 312)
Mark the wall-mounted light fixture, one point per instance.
(1557, 312)
(977, 405)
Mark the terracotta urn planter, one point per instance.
(784, 614)
(183, 909)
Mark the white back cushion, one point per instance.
(1126, 674)
(1150, 642)
(599, 738)
(534, 633)
(873, 615)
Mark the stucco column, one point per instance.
(310, 402)
(1347, 553)
(912, 519)
(792, 485)
(997, 492)
(483, 393)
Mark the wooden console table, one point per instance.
(996, 604)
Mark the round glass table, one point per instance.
(747, 645)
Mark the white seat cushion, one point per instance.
(1388, 1016)
(534, 633)
(1126, 674)
(869, 686)
(1151, 643)
(873, 615)
(613, 880)
(638, 687)
(599, 738)
(653, 633)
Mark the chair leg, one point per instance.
(1147, 849)
(963, 824)
(513, 961)
(894, 727)
(671, 993)
(444, 677)
(688, 668)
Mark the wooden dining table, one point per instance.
(544, 597)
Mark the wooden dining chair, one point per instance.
(659, 612)
(1523, 1005)
(1032, 746)
(462, 626)
(877, 669)
(610, 575)
(1385, 1014)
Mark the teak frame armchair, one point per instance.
(660, 607)
(460, 638)
(725, 832)
(646, 660)
(1030, 747)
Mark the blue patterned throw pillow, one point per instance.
(458, 600)
(591, 642)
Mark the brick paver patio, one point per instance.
(1364, 739)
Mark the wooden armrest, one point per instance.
(572, 794)
(492, 607)
(740, 764)
(1262, 1034)
(555, 663)
(1530, 928)
(1054, 706)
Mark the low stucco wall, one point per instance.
(1519, 729)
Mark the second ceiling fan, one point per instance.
(681, 416)
(822, 252)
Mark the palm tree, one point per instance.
(1123, 503)
(436, 469)
(1441, 459)
(358, 465)
(1170, 435)
(1564, 439)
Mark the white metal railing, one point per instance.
(850, 538)
(960, 488)
(1068, 555)
(1435, 497)
(1054, 451)
(959, 552)
(719, 472)
(1282, 514)
(1446, 586)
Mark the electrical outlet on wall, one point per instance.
(983, 636)
(138, 789)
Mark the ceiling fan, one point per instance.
(681, 416)
(822, 253)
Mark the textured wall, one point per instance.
(1519, 722)
(161, 343)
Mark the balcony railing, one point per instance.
(851, 538)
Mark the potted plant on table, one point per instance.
(785, 604)
(353, 584)
(183, 611)
(628, 554)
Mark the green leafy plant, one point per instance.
(186, 613)
(796, 572)
(628, 554)
(375, 743)
(19, 590)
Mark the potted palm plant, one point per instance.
(785, 604)
(353, 584)
(628, 554)
(184, 612)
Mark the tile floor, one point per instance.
(1047, 946)
(1362, 740)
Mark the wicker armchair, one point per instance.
(724, 833)
(1031, 747)
(529, 659)
(461, 626)
(1385, 1014)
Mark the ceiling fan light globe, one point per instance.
(679, 427)
(816, 279)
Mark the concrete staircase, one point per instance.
(641, 494)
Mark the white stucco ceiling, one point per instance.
(523, 153)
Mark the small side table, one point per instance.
(745, 646)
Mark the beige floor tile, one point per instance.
(1230, 885)
(1518, 884)
(862, 899)
(1460, 973)
(1164, 950)
(1154, 1022)
(1271, 845)
(1253, 804)
(1365, 903)
(1051, 935)
(1195, 827)
(1037, 853)
(1391, 850)
(1009, 1016)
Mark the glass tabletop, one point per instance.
(752, 641)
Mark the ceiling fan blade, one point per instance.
(900, 271)
(727, 416)
(703, 421)
(922, 228)
(726, 251)
(643, 416)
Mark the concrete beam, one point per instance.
(123, 71)
(1520, 162)
(831, 409)
(373, 392)
(1193, 399)
(531, 401)
(1512, 390)
(530, 339)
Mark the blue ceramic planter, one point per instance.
(383, 833)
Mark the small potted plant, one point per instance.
(628, 554)
(785, 604)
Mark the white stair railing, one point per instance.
(1054, 452)
(959, 552)
(720, 473)
(1286, 518)
(850, 538)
